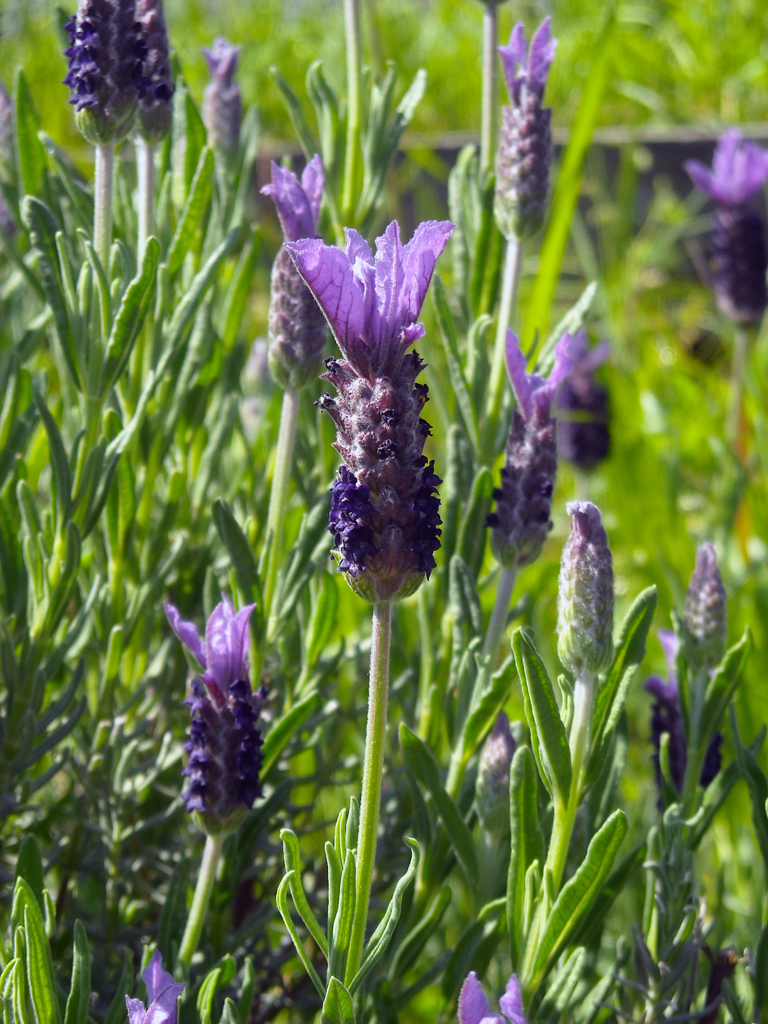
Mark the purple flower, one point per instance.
(525, 141)
(384, 505)
(583, 437)
(106, 53)
(520, 523)
(667, 717)
(738, 249)
(162, 993)
(155, 112)
(296, 322)
(221, 97)
(298, 203)
(473, 1004)
(224, 746)
(738, 170)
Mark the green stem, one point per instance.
(196, 919)
(490, 87)
(373, 763)
(145, 169)
(103, 185)
(354, 97)
(461, 756)
(513, 262)
(281, 476)
(738, 367)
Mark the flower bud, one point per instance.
(705, 611)
(221, 98)
(525, 140)
(106, 55)
(585, 594)
(492, 786)
(155, 112)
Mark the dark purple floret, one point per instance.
(384, 507)
(155, 112)
(583, 435)
(224, 748)
(106, 55)
(713, 761)
(525, 141)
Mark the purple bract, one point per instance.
(162, 994)
(528, 68)
(583, 436)
(473, 1004)
(739, 169)
(297, 202)
(534, 393)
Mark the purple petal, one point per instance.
(312, 181)
(511, 1002)
(739, 169)
(165, 1009)
(517, 370)
(703, 179)
(225, 644)
(328, 275)
(473, 1006)
(563, 365)
(750, 169)
(670, 644)
(137, 1011)
(666, 693)
(221, 59)
(511, 56)
(540, 56)
(356, 247)
(155, 978)
(594, 358)
(419, 258)
(187, 633)
(293, 205)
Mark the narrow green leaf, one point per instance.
(284, 729)
(447, 327)
(130, 317)
(577, 896)
(247, 990)
(342, 926)
(39, 964)
(243, 561)
(192, 214)
(174, 913)
(205, 996)
(526, 844)
(722, 686)
(471, 542)
(116, 1011)
(30, 155)
(29, 866)
(568, 185)
(415, 941)
(550, 743)
(590, 926)
(80, 988)
(337, 1005)
(60, 472)
(285, 913)
(757, 785)
(293, 105)
(239, 289)
(292, 858)
(716, 794)
(423, 767)
(571, 322)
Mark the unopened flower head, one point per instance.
(155, 112)
(224, 745)
(583, 436)
(525, 142)
(221, 98)
(705, 610)
(492, 786)
(106, 55)
(296, 322)
(667, 717)
(384, 505)
(474, 1008)
(585, 594)
(521, 522)
(162, 996)
(739, 255)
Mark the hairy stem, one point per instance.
(354, 98)
(513, 261)
(145, 169)
(103, 186)
(197, 912)
(735, 397)
(278, 497)
(372, 770)
(490, 87)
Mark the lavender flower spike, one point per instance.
(521, 522)
(384, 507)
(705, 612)
(492, 786)
(525, 142)
(583, 437)
(585, 594)
(106, 53)
(224, 745)
(155, 112)
(296, 322)
(162, 993)
(221, 98)
(667, 717)
(473, 1004)
(739, 256)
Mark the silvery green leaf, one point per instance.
(337, 1005)
(80, 986)
(526, 844)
